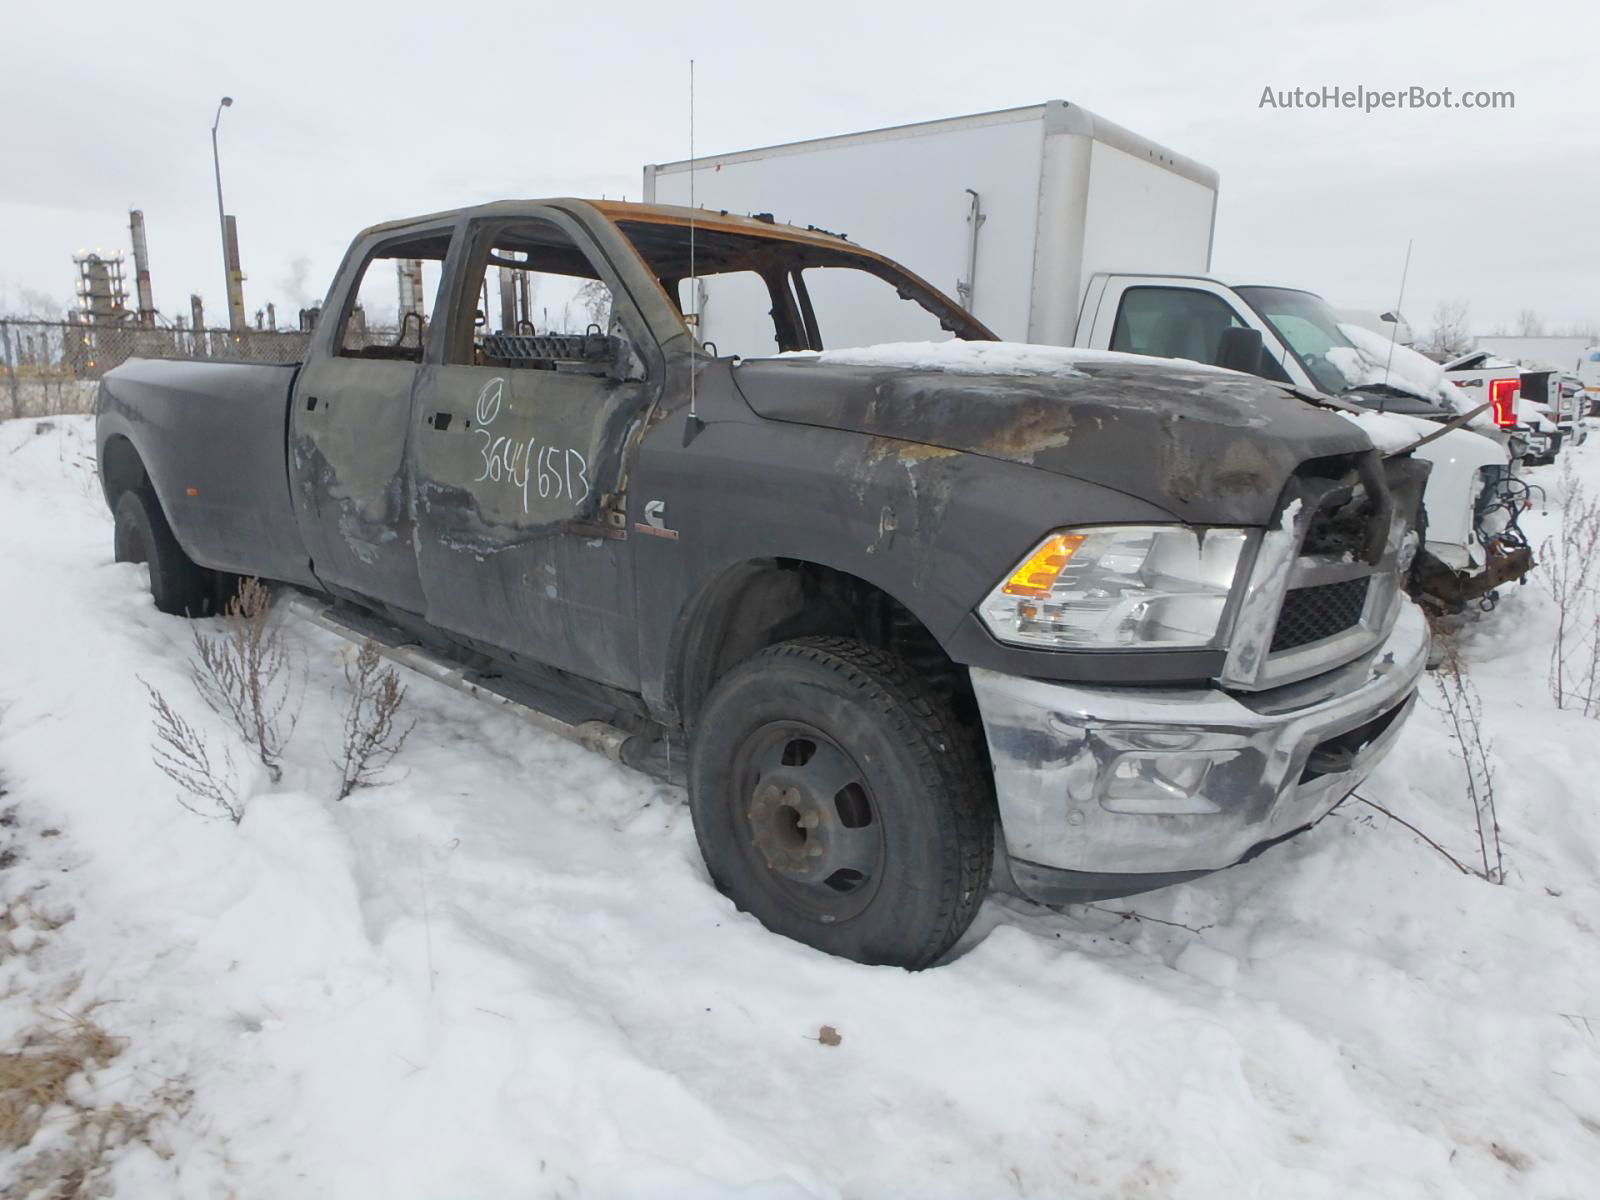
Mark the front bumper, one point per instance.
(1146, 782)
(1536, 447)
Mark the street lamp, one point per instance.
(229, 266)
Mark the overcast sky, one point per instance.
(349, 114)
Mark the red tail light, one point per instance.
(1503, 395)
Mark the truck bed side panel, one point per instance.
(212, 439)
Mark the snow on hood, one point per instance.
(1371, 359)
(983, 358)
(1389, 432)
(1370, 362)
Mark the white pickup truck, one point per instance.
(1058, 227)
(1532, 405)
(1472, 503)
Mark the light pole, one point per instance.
(230, 251)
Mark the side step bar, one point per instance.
(599, 736)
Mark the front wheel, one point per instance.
(835, 799)
(141, 535)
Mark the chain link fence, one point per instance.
(51, 367)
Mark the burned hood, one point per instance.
(1211, 447)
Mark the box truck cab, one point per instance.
(1051, 224)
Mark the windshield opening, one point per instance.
(1310, 329)
(760, 295)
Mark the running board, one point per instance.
(600, 736)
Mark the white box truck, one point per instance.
(1055, 226)
(1012, 212)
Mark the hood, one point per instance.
(1209, 446)
(1398, 379)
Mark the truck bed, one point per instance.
(212, 438)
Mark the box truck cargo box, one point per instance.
(1012, 211)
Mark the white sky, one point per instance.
(347, 115)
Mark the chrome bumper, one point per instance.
(1142, 781)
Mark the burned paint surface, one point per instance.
(932, 526)
(348, 441)
(512, 496)
(1208, 447)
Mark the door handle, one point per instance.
(440, 420)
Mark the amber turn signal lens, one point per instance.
(1038, 574)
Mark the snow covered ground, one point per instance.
(506, 974)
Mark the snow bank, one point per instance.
(506, 973)
(982, 358)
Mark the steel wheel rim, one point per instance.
(808, 821)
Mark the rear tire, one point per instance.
(142, 535)
(835, 799)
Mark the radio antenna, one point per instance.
(1398, 305)
(694, 280)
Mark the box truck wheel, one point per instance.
(836, 801)
(141, 535)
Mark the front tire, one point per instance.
(141, 535)
(835, 799)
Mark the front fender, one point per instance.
(933, 528)
(1454, 483)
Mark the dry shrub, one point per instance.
(247, 674)
(34, 1077)
(1571, 561)
(181, 752)
(372, 735)
(36, 1084)
(1463, 708)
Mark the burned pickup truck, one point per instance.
(899, 618)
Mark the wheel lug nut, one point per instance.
(814, 851)
(808, 821)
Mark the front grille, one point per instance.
(1310, 614)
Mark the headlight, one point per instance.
(1115, 586)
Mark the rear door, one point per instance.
(522, 433)
(350, 419)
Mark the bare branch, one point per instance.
(1451, 324)
(1454, 861)
(1571, 562)
(182, 755)
(247, 675)
(1128, 914)
(372, 736)
(1465, 710)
